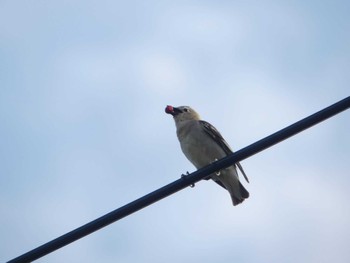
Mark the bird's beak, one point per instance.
(172, 110)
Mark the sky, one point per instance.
(83, 87)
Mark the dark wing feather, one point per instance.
(242, 171)
(217, 137)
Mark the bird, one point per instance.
(203, 144)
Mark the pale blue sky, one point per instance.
(83, 87)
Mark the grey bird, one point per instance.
(202, 144)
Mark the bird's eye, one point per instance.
(186, 110)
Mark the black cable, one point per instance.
(183, 182)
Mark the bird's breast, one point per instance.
(198, 151)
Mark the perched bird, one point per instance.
(202, 144)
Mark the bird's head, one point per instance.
(182, 113)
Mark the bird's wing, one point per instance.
(242, 171)
(217, 137)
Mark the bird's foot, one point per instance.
(185, 175)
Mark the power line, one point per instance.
(183, 182)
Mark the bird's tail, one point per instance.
(239, 196)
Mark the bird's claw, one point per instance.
(185, 175)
